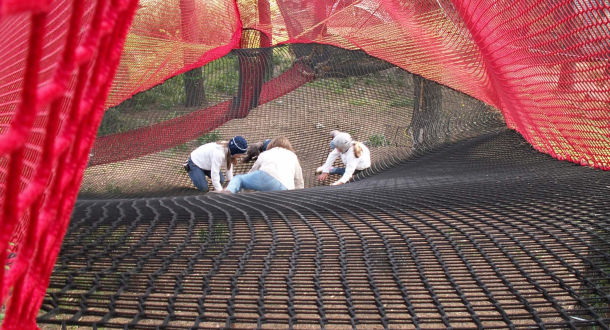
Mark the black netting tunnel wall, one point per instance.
(458, 224)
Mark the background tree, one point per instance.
(194, 93)
(428, 125)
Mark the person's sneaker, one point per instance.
(186, 166)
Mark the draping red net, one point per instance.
(545, 65)
(58, 61)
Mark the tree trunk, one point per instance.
(252, 65)
(194, 95)
(193, 88)
(428, 126)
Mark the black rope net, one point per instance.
(459, 223)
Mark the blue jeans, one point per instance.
(257, 180)
(341, 171)
(198, 175)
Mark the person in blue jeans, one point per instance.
(210, 158)
(355, 156)
(277, 168)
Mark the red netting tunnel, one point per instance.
(544, 64)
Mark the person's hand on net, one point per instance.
(323, 176)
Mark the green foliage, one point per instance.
(180, 148)
(377, 140)
(225, 84)
(397, 78)
(113, 189)
(347, 83)
(401, 102)
(281, 59)
(221, 77)
(219, 233)
(337, 86)
(112, 122)
(167, 95)
(213, 136)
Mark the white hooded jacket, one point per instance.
(283, 165)
(349, 159)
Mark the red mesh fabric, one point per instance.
(162, 136)
(57, 65)
(544, 64)
(171, 37)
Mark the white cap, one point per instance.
(343, 141)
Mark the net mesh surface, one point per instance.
(463, 236)
(458, 222)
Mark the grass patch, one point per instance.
(113, 189)
(205, 138)
(213, 136)
(218, 236)
(401, 102)
(377, 140)
(164, 96)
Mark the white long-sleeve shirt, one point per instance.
(349, 160)
(283, 165)
(212, 157)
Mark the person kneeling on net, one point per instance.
(355, 156)
(255, 149)
(208, 159)
(277, 168)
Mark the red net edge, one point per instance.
(30, 285)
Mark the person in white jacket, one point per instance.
(210, 158)
(277, 168)
(355, 156)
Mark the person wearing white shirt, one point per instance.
(210, 158)
(355, 156)
(277, 168)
